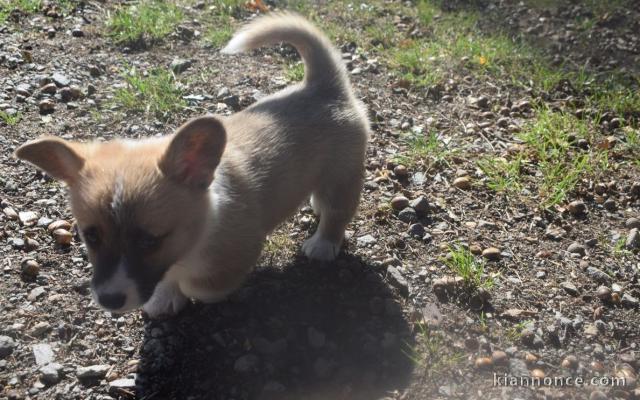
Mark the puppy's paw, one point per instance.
(167, 300)
(318, 248)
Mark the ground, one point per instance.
(497, 236)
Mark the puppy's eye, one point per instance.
(91, 236)
(147, 242)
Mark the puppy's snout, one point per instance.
(112, 301)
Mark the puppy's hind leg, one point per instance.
(335, 203)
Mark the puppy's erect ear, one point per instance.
(194, 152)
(55, 156)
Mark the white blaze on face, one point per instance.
(118, 284)
(118, 195)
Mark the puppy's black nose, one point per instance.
(112, 301)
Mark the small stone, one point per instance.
(537, 373)
(420, 204)
(633, 239)
(93, 371)
(554, 233)
(417, 230)
(49, 88)
(603, 293)
(463, 183)
(570, 362)
(29, 268)
(577, 248)
(610, 205)
(632, 223)
(397, 280)
(117, 386)
(316, 338)
(36, 293)
(246, 363)
(10, 213)
(46, 106)
(598, 275)
(408, 215)
(629, 301)
(77, 32)
(51, 33)
(577, 207)
(491, 254)
(7, 344)
(59, 224)
(60, 80)
(570, 288)
(43, 353)
(483, 363)
(366, 240)
(179, 65)
(500, 357)
(400, 171)
(480, 102)
(598, 395)
(50, 373)
(40, 329)
(399, 203)
(62, 237)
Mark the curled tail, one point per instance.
(323, 64)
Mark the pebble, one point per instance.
(603, 293)
(399, 203)
(7, 344)
(537, 373)
(28, 218)
(77, 32)
(366, 240)
(10, 213)
(46, 106)
(397, 280)
(491, 254)
(29, 268)
(417, 230)
(629, 301)
(632, 223)
(40, 329)
(400, 171)
(246, 363)
(598, 395)
(59, 224)
(408, 215)
(35, 293)
(480, 102)
(420, 204)
(117, 385)
(50, 373)
(179, 65)
(62, 237)
(60, 80)
(463, 183)
(570, 288)
(570, 362)
(43, 353)
(576, 248)
(598, 275)
(49, 88)
(633, 239)
(610, 205)
(577, 207)
(483, 363)
(97, 371)
(499, 357)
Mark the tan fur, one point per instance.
(309, 139)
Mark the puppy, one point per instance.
(186, 215)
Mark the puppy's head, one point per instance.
(139, 205)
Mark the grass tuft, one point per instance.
(10, 120)
(149, 20)
(153, 93)
(471, 270)
(428, 150)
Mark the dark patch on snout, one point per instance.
(112, 301)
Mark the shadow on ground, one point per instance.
(305, 331)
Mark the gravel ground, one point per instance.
(388, 319)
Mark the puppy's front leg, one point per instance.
(167, 300)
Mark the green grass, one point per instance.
(10, 119)
(514, 332)
(25, 6)
(465, 265)
(502, 175)
(220, 32)
(427, 150)
(295, 72)
(154, 93)
(149, 20)
(432, 353)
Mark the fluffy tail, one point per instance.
(323, 64)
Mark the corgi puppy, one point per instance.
(186, 215)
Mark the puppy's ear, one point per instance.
(194, 152)
(55, 156)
